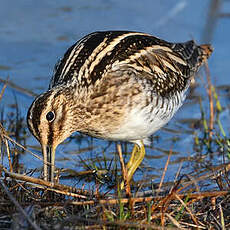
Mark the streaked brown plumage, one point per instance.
(115, 85)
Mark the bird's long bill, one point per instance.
(48, 162)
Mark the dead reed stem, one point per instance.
(59, 188)
(210, 97)
(4, 139)
(117, 224)
(124, 171)
(2, 91)
(218, 171)
(18, 88)
(21, 146)
(187, 208)
(165, 169)
(196, 196)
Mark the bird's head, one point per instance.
(51, 121)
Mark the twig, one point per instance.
(187, 208)
(59, 188)
(2, 135)
(18, 88)
(18, 206)
(192, 225)
(2, 91)
(135, 200)
(21, 146)
(222, 218)
(174, 221)
(71, 191)
(165, 169)
(121, 224)
(210, 97)
(124, 171)
(177, 175)
(218, 170)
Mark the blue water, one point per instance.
(35, 34)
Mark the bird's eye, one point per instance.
(50, 116)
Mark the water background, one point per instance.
(35, 34)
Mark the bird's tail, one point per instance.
(205, 50)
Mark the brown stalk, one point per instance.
(192, 225)
(210, 97)
(18, 88)
(197, 196)
(124, 171)
(21, 146)
(73, 191)
(187, 208)
(174, 221)
(176, 177)
(2, 91)
(3, 135)
(118, 224)
(218, 170)
(59, 188)
(165, 169)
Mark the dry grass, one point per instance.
(39, 203)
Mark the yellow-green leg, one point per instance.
(133, 156)
(136, 158)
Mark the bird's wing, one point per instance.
(167, 70)
(90, 59)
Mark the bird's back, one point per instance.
(167, 65)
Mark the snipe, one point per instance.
(115, 85)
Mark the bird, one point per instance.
(117, 86)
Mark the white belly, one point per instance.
(139, 123)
